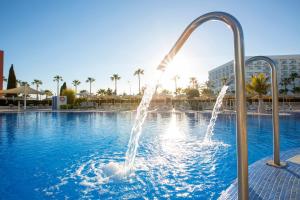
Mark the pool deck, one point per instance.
(266, 182)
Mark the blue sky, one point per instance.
(77, 39)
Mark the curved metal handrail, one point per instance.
(275, 109)
(241, 128)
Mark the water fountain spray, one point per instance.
(239, 64)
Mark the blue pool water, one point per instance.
(75, 155)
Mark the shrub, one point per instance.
(78, 101)
(67, 106)
(70, 95)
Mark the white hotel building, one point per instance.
(286, 64)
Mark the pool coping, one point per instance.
(151, 111)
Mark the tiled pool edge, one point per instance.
(266, 182)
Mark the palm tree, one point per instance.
(109, 92)
(76, 83)
(24, 83)
(224, 80)
(284, 83)
(83, 93)
(56, 79)
(90, 80)
(194, 82)
(179, 91)
(115, 78)
(175, 78)
(292, 78)
(258, 85)
(138, 73)
(101, 92)
(48, 93)
(37, 83)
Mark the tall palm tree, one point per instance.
(57, 79)
(115, 78)
(37, 83)
(90, 80)
(76, 83)
(175, 78)
(194, 82)
(258, 85)
(292, 78)
(138, 73)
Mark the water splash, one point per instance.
(214, 115)
(136, 130)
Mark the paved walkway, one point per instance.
(267, 182)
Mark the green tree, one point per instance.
(109, 92)
(12, 81)
(224, 80)
(179, 91)
(37, 83)
(48, 93)
(101, 92)
(207, 89)
(138, 73)
(115, 78)
(165, 92)
(258, 85)
(24, 83)
(191, 93)
(62, 88)
(90, 80)
(284, 83)
(57, 79)
(76, 83)
(292, 78)
(70, 94)
(194, 82)
(83, 92)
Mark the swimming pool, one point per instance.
(71, 155)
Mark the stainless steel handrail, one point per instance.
(241, 128)
(275, 109)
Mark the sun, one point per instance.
(179, 66)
